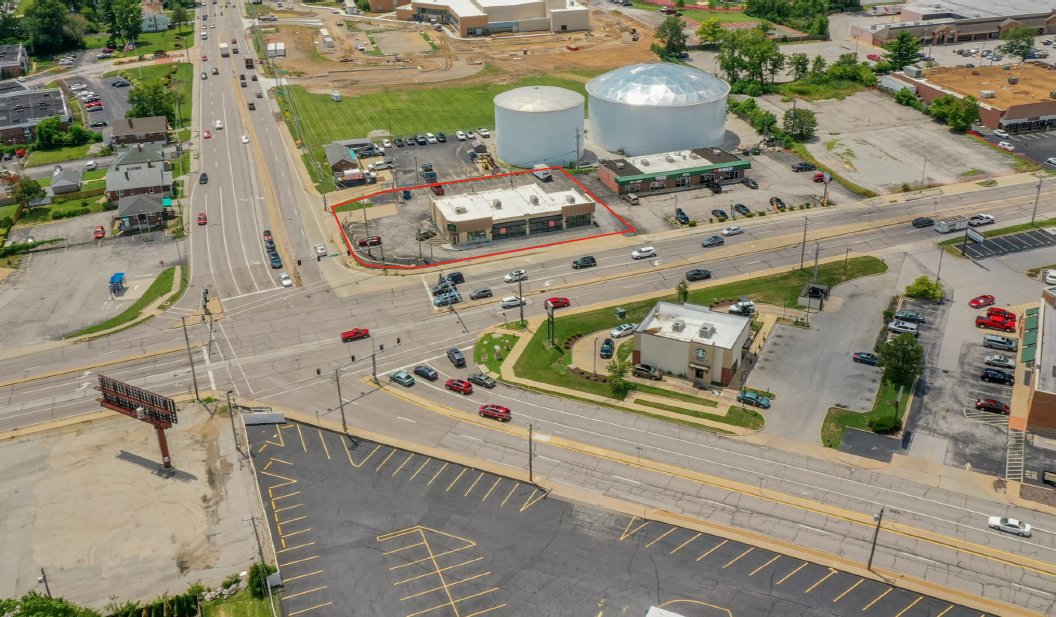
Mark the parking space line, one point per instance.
(738, 557)
(889, 590)
(292, 520)
(945, 611)
(805, 563)
(497, 480)
(431, 556)
(274, 499)
(293, 578)
(295, 547)
(474, 484)
(825, 578)
(627, 533)
(286, 483)
(919, 598)
(288, 508)
(849, 590)
(464, 470)
(712, 550)
(403, 463)
(430, 482)
(764, 565)
(285, 597)
(685, 543)
(453, 602)
(349, 452)
(284, 536)
(427, 460)
(438, 571)
(283, 565)
(661, 537)
(403, 548)
(309, 609)
(382, 464)
(303, 445)
(449, 585)
(487, 610)
(528, 503)
(323, 440)
(511, 494)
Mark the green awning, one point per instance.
(1028, 354)
(1032, 322)
(166, 203)
(1030, 338)
(1033, 311)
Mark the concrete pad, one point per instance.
(928, 447)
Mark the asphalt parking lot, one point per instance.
(1011, 243)
(114, 100)
(360, 524)
(1037, 146)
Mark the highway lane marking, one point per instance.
(814, 529)
(626, 479)
(1032, 589)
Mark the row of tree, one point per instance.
(803, 15)
(50, 26)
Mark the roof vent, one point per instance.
(534, 199)
(716, 152)
(643, 162)
(678, 325)
(707, 330)
(570, 199)
(497, 204)
(669, 158)
(460, 209)
(694, 155)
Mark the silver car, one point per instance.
(902, 327)
(320, 249)
(999, 360)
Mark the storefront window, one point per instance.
(683, 181)
(577, 221)
(480, 234)
(658, 186)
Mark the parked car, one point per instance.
(516, 275)
(584, 262)
(698, 275)
(430, 138)
(483, 132)
(874, 57)
(995, 322)
(477, 294)
(643, 253)
(741, 209)
(999, 360)
(607, 348)
(994, 341)
(902, 327)
(733, 230)
(752, 184)
(912, 316)
(403, 378)
(456, 358)
(804, 166)
(1050, 277)
(399, 142)
(1009, 525)
(495, 411)
(481, 380)
(996, 376)
(864, 357)
(1002, 313)
(751, 398)
(777, 203)
(819, 177)
(440, 137)
(1004, 145)
(713, 241)
(1001, 134)
(369, 241)
(100, 233)
(437, 189)
(97, 124)
(982, 301)
(460, 136)
(647, 372)
(681, 216)
(989, 404)
(923, 221)
(623, 330)
(714, 187)
(470, 134)
(458, 385)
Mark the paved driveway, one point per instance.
(811, 370)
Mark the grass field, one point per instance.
(242, 604)
(57, 155)
(42, 214)
(486, 345)
(444, 108)
(98, 174)
(148, 42)
(838, 419)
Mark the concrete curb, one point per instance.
(89, 367)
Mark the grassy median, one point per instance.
(838, 419)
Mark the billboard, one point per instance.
(136, 402)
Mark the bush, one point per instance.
(692, 223)
(6, 223)
(925, 288)
(231, 581)
(258, 579)
(884, 424)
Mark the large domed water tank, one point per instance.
(539, 124)
(656, 107)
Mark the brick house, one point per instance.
(340, 158)
(22, 110)
(138, 155)
(128, 131)
(140, 212)
(145, 179)
(14, 61)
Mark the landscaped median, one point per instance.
(539, 365)
(838, 419)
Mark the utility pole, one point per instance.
(373, 362)
(44, 579)
(1036, 198)
(520, 297)
(194, 378)
(529, 455)
(803, 252)
(922, 171)
(938, 275)
(845, 257)
(879, 518)
(341, 400)
(817, 251)
(231, 414)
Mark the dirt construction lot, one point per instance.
(878, 144)
(88, 505)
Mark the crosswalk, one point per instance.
(1014, 461)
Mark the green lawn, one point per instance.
(161, 286)
(486, 345)
(182, 165)
(837, 419)
(445, 108)
(623, 352)
(44, 182)
(181, 82)
(748, 417)
(8, 210)
(98, 174)
(43, 214)
(242, 604)
(57, 155)
(319, 170)
(147, 42)
(353, 205)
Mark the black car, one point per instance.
(923, 222)
(121, 84)
(445, 287)
(713, 187)
(481, 380)
(698, 275)
(866, 358)
(681, 217)
(752, 184)
(719, 214)
(456, 278)
(477, 294)
(777, 203)
(996, 376)
(399, 142)
(804, 166)
(606, 348)
(420, 139)
(712, 241)
(409, 141)
(426, 372)
(440, 137)
(456, 358)
(97, 123)
(203, 179)
(276, 262)
(741, 209)
(425, 234)
(269, 245)
(584, 262)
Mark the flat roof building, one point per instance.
(21, 111)
(510, 213)
(945, 24)
(672, 171)
(1041, 416)
(693, 341)
(487, 17)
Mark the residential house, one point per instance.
(155, 22)
(143, 179)
(14, 61)
(129, 131)
(139, 155)
(65, 181)
(140, 212)
(340, 158)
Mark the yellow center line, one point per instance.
(474, 484)
(309, 609)
(283, 565)
(288, 508)
(378, 468)
(831, 572)
(403, 548)
(910, 606)
(286, 535)
(287, 597)
(792, 572)
(303, 445)
(403, 463)
(849, 590)
(497, 480)
(464, 470)
(430, 483)
(661, 537)
(295, 547)
(421, 468)
(764, 565)
(685, 543)
(325, 449)
(449, 586)
(439, 571)
(515, 485)
(293, 578)
(712, 550)
(878, 598)
(738, 557)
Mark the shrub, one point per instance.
(692, 223)
(924, 287)
(884, 424)
(231, 581)
(258, 579)
(6, 223)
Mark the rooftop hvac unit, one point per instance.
(570, 199)
(1013, 80)
(669, 158)
(987, 94)
(619, 164)
(460, 209)
(534, 199)
(912, 71)
(707, 330)
(716, 152)
(1052, 95)
(678, 325)
(497, 204)
(643, 162)
(694, 155)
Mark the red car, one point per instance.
(989, 404)
(819, 177)
(1002, 313)
(982, 301)
(370, 241)
(108, 50)
(93, 104)
(495, 411)
(201, 219)
(267, 235)
(205, 58)
(100, 233)
(437, 189)
(874, 57)
(206, 134)
(995, 322)
(353, 334)
(459, 386)
(234, 41)
(558, 302)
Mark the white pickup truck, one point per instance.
(979, 220)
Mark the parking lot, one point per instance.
(1038, 146)
(114, 100)
(1011, 243)
(357, 523)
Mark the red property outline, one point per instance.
(348, 242)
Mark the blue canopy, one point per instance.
(117, 279)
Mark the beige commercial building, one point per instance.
(486, 17)
(693, 341)
(510, 213)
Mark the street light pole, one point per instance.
(530, 427)
(520, 297)
(938, 274)
(44, 579)
(803, 251)
(1037, 196)
(846, 256)
(879, 518)
(922, 172)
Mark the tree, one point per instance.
(925, 288)
(151, 99)
(818, 67)
(903, 359)
(901, 51)
(22, 189)
(50, 133)
(682, 291)
(672, 35)
(710, 30)
(44, 23)
(799, 65)
(905, 97)
(618, 370)
(965, 114)
(34, 604)
(127, 22)
(179, 16)
(1019, 42)
(943, 107)
(257, 581)
(800, 123)
(681, 4)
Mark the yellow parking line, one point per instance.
(325, 449)
(661, 537)
(831, 572)
(515, 485)
(430, 483)
(531, 502)
(945, 611)
(449, 585)
(764, 565)
(456, 479)
(310, 609)
(283, 565)
(849, 590)
(497, 480)
(287, 597)
(290, 521)
(628, 532)
(910, 606)
(274, 499)
(349, 453)
(487, 610)
(286, 535)
(288, 508)
(712, 550)
(430, 557)
(738, 557)
(293, 578)
(421, 468)
(402, 464)
(453, 602)
(265, 468)
(295, 547)
(878, 599)
(279, 460)
(403, 548)
(378, 468)
(685, 543)
(303, 445)
(793, 572)
(438, 571)
(474, 484)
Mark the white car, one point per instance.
(470, 134)
(429, 137)
(219, 125)
(1050, 277)
(361, 47)
(212, 25)
(320, 249)
(335, 11)
(1051, 161)
(386, 143)
(642, 253)
(484, 132)
(380, 165)
(623, 330)
(512, 301)
(999, 360)
(245, 139)
(1004, 145)
(516, 275)
(460, 136)
(1009, 525)
(285, 280)
(1001, 134)
(733, 230)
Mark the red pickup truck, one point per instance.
(353, 334)
(995, 322)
